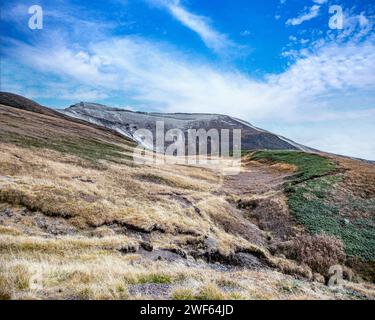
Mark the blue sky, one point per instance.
(275, 63)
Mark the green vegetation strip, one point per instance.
(88, 149)
(309, 165)
(310, 201)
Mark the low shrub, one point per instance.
(319, 252)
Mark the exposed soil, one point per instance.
(261, 200)
(255, 179)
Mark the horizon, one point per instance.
(278, 65)
(197, 113)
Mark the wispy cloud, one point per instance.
(165, 78)
(356, 26)
(72, 21)
(320, 1)
(201, 25)
(321, 85)
(309, 14)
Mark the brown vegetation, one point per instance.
(80, 220)
(319, 252)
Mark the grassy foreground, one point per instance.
(80, 220)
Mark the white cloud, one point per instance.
(72, 20)
(17, 79)
(356, 26)
(212, 38)
(330, 84)
(165, 78)
(320, 1)
(312, 13)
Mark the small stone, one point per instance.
(180, 252)
(127, 249)
(8, 212)
(210, 244)
(146, 246)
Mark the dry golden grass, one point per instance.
(90, 269)
(86, 197)
(90, 265)
(72, 228)
(359, 177)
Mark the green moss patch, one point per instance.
(312, 201)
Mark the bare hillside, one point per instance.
(80, 220)
(127, 122)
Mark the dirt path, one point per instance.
(261, 200)
(255, 179)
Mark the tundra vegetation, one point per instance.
(80, 220)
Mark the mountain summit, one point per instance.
(128, 122)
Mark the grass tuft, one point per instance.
(183, 294)
(210, 292)
(159, 278)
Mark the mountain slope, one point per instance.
(19, 102)
(80, 220)
(127, 122)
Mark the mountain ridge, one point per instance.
(18, 101)
(23, 103)
(127, 122)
